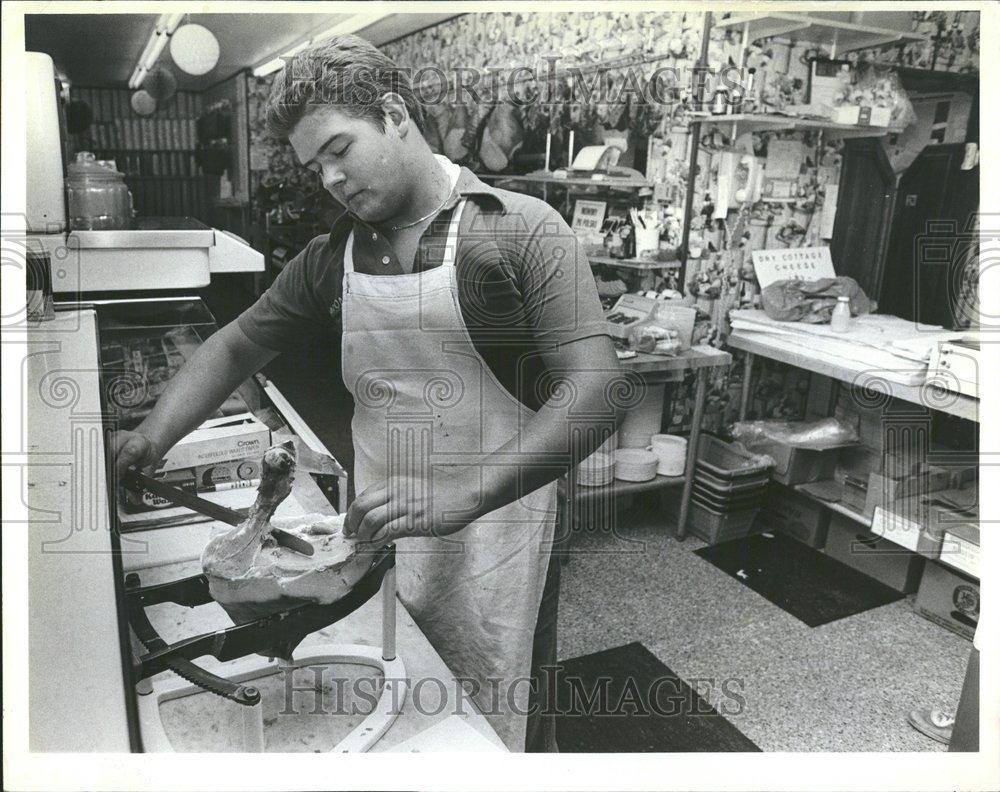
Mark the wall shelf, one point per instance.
(774, 122)
(840, 34)
(637, 264)
(570, 181)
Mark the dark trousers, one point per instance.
(965, 732)
(540, 735)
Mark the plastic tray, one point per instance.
(727, 462)
(714, 526)
(719, 485)
(727, 504)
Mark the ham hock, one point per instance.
(252, 576)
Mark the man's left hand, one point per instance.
(405, 506)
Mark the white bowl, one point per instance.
(671, 450)
(635, 464)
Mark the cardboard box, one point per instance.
(960, 548)
(850, 543)
(909, 524)
(798, 465)
(949, 599)
(855, 495)
(884, 489)
(861, 115)
(795, 515)
(219, 440)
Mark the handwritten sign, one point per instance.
(588, 217)
(805, 263)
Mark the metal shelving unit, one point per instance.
(837, 32)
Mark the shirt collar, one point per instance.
(468, 186)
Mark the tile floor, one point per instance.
(844, 686)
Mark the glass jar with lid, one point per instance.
(96, 195)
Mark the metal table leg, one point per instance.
(692, 451)
(745, 390)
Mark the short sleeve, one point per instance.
(557, 284)
(297, 306)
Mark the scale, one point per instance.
(276, 635)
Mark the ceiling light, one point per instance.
(195, 49)
(269, 67)
(350, 25)
(165, 25)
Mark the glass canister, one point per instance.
(97, 197)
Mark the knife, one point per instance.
(135, 478)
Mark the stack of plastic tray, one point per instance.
(729, 485)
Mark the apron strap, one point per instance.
(450, 249)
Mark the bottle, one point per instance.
(840, 321)
(720, 102)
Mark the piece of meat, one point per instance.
(252, 576)
(502, 138)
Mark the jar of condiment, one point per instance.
(840, 320)
(96, 195)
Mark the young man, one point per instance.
(475, 346)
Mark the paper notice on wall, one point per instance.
(803, 263)
(829, 213)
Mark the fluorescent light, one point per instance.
(161, 42)
(296, 49)
(351, 25)
(267, 68)
(279, 62)
(170, 22)
(165, 25)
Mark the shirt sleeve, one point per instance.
(297, 306)
(557, 285)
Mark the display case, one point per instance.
(142, 346)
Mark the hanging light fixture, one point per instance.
(195, 49)
(142, 103)
(165, 25)
(161, 84)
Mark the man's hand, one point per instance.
(405, 506)
(132, 449)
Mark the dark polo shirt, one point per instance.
(524, 283)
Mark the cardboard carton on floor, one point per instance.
(949, 598)
(850, 542)
(795, 515)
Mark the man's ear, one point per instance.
(396, 113)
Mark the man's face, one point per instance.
(358, 163)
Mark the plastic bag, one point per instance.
(879, 85)
(817, 435)
(812, 301)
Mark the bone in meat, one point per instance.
(252, 576)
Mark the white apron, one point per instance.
(423, 397)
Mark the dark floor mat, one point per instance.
(811, 586)
(624, 700)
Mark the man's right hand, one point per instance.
(132, 449)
